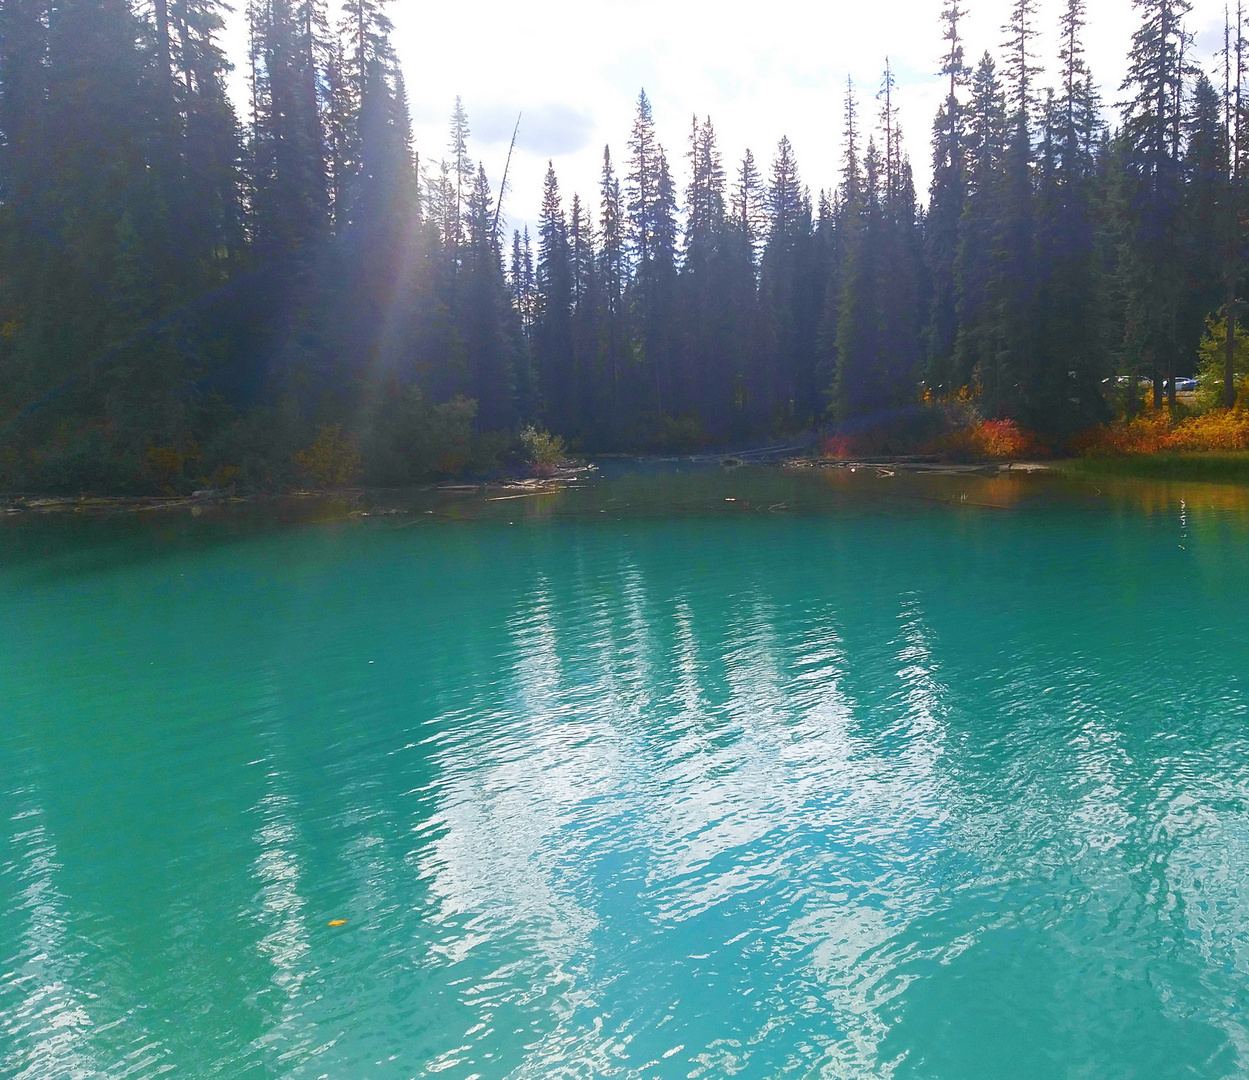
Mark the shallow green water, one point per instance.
(852, 776)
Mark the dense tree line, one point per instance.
(188, 297)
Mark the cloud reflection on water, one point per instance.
(884, 788)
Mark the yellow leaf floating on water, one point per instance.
(337, 922)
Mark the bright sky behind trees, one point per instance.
(574, 68)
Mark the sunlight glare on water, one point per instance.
(843, 778)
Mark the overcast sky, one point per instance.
(573, 68)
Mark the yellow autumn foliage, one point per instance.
(1156, 431)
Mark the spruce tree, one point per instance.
(613, 275)
(290, 197)
(974, 346)
(586, 309)
(709, 357)
(553, 345)
(788, 227)
(27, 273)
(1010, 373)
(1234, 59)
(749, 210)
(1071, 347)
(905, 292)
(486, 314)
(461, 166)
(846, 224)
(792, 288)
(947, 199)
(652, 232)
(365, 58)
(1153, 201)
(859, 388)
(642, 182)
(102, 222)
(338, 124)
(1205, 224)
(524, 289)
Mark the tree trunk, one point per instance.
(1229, 361)
(162, 37)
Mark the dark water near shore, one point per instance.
(761, 774)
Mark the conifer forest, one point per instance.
(193, 294)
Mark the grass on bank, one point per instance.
(1229, 467)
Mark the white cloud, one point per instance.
(574, 70)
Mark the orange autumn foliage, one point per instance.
(1155, 431)
(992, 439)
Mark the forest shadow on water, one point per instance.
(760, 772)
(52, 546)
(662, 486)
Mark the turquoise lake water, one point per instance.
(755, 774)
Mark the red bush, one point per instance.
(995, 439)
(837, 446)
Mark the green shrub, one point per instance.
(676, 434)
(78, 458)
(543, 451)
(410, 441)
(255, 451)
(1212, 364)
(333, 460)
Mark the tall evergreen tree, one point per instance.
(1153, 199)
(290, 198)
(613, 273)
(709, 314)
(846, 224)
(974, 348)
(27, 215)
(749, 199)
(586, 310)
(461, 166)
(947, 199)
(860, 386)
(553, 344)
(652, 231)
(1009, 376)
(1234, 58)
(100, 224)
(489, 321)
(1205, 224)
(1071, 348)
(786, 381)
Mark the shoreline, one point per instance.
(917, 464)
(1227, 468)
(18, 505)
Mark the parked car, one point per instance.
(1183, 384)
(1123, 380)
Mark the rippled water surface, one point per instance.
(758, 774)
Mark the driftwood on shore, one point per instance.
(364, 502)
(198, 501)
(111, 504)
(918, 464)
